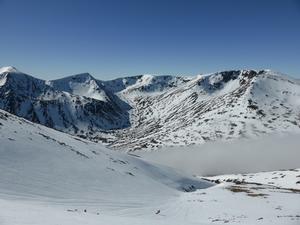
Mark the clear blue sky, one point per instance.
(55, 38)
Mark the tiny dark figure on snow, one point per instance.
(158, 212)
(84, 210)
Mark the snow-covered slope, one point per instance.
(230, 203)
(223, 106)
(40, 163)
(143, 84)
(146, 111)
(82, 85)
(48, 177)
(281, 178)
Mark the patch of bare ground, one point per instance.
(238, 189)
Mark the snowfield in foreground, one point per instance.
(48, 177)
(224, 203)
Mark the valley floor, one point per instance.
(235, 199)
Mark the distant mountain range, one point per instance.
(146, 111)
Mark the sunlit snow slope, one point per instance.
(36, 161)
(48, 177)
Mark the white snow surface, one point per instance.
(36, 156)
(48, 177)
(280, 178)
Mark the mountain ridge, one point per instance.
(147, 111)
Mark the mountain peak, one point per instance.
(81, 77)
(8, 69)
(77, 78)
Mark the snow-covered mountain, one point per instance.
(149, 111)
(75, 104)
(223, 106)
